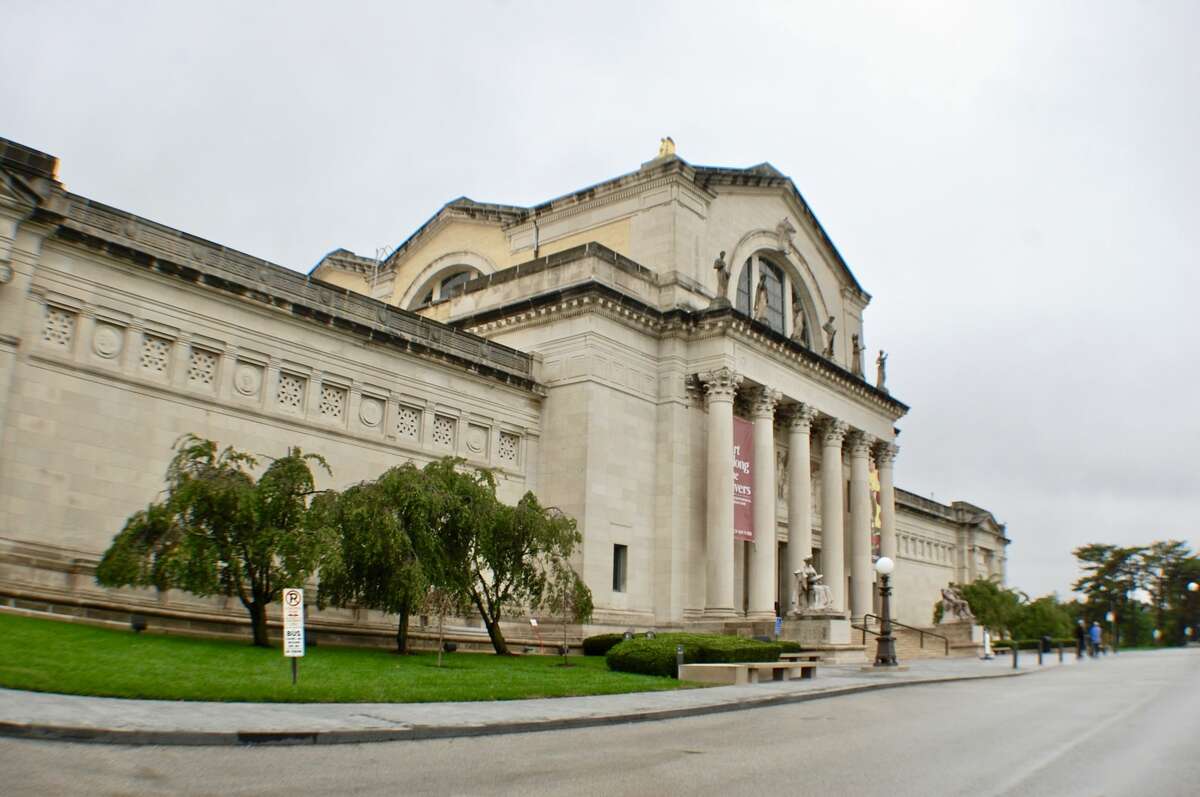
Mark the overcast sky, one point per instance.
(1015, 184)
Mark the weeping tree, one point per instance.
(376, 531)
(490, 553)
(220, 531)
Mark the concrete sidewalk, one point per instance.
(119, 721)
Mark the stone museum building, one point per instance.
(675, 357)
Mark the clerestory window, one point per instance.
(445, 287)
(767, 294)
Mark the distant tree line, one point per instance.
(1144, 587)
(435, 541)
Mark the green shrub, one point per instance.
(657, 656)
(789, 646)
(600, 644)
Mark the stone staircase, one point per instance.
(909, 647)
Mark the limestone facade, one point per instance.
(585, 348)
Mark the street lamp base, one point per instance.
(885, 654)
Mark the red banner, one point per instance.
(743, 480)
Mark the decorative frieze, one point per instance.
(408, 422)
(58, 327)
(155, 355)
(202, 368)
(107, 341)
(290, 395)
(507, 448)
(332, 406)
(443, 431)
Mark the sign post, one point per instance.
(293, 627)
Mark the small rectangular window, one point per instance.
(620, 562)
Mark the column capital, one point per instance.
(885, 453)
(721, 384)
(834, 431)
(800, 417)
(764, 401)
(860, 443)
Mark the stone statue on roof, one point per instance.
(856, 358)
(722, 269)
(881, 370)
(666, 147)
(830, 328)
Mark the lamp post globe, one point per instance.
(885, 654)
(1193, 586)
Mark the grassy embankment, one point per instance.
(52, 656)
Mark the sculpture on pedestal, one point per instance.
(881, 370)
(798, 321)
(856, 350)
(809, 594)
(955, 608)
(722, 270)
(830, 328)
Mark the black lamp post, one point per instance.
(885, 654)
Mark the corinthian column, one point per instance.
(719, 389)
(799, 545)
(763, 574)
(862, 580)
(885, 456)
(832, 536)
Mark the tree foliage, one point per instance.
(374, 531)
(499, 557)
(220, 531)
(1119, 579)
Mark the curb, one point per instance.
(66, 733)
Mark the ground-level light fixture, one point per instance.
(885, 654)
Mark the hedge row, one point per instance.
(600, 644)
(657, 656)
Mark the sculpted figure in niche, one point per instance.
(760, 300)
(881, 370)
(781, 460)
(954, 608)
(797, 320)
(722, 269)
(856, 364)
(830, 328)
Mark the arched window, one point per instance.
(783, 308)
(445, 285)
(772, 281)
(743, 290)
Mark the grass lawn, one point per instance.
(52, 656)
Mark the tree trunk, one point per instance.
(258, 623)
(402, 630)
(493, 629)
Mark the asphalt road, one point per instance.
(1127, 724)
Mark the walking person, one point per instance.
(1080, 639)
(1095, 634)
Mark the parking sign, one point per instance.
(293, 622)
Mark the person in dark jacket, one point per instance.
(1080, 639)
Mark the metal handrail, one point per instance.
(921, 631)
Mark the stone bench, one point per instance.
(803, 656)
(747, 672)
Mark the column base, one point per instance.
(767, 616)
(719, 613)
